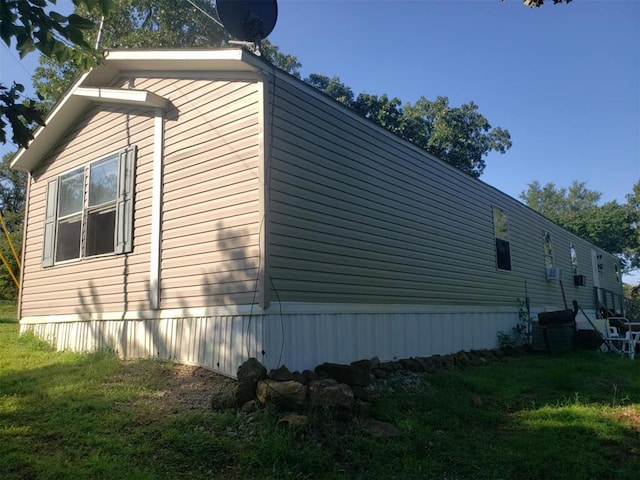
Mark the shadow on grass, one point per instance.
(68, 415)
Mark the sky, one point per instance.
(563, 79)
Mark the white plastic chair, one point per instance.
(620, 335)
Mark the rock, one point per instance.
(437, 361)
(251, 371)
(245, 392)
(379, 373)
(288, 394)
(328, 393)
(476, 401)
(298, 377)
(363, 364)
(345, 374)
(293, 420)
(361, 393)
(448, 361)
(362, 409)
(249, 407)
(281, 374)
(411, 364)
(378, 429)
(375, 362)
(462, 359)
(428, 365)
(308, 376)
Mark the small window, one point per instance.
(548, 250)
(574, 259)
(501, 233)
(616, 269)
(89, 210)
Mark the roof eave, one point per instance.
(87, 89)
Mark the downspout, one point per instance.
(156, 210)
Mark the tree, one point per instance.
(539, 3)
(611, 226)
(13, 187)
(147, 24)
(55, 36)
(460, 136)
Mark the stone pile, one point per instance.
(348, 391)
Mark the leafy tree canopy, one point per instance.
(539, 3)
(147, 24)
(33, 25)
(611, 226)
(460, 136)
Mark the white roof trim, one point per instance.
(122, 97)
(94, 85)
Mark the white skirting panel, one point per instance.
(298, 340)
(220, 343)
(302, 341)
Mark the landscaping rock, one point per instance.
(281, 374)
(328, 393)
(411, 364)
(345, 374)
(245, 392)
(249, 407)
(362, 364)
(364, 394)
(288, 394)
(251, 371)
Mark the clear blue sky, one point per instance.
(563, 79)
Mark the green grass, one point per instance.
(67, 415)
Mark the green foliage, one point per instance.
(539, 3)
(147, 24)
(520, 333)
(611, 226)
(70, 415)
(12, 201)
(460, 136)
(34, 26)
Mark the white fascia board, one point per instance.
(119, 96)
(224, 59)
(115, 62)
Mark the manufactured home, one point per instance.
(206, 207)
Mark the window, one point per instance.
(574, 259)
(501, 233)
(616, 269)
(548, 250)
(89, 210)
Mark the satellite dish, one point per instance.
(248, 20)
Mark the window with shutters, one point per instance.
(89, 210)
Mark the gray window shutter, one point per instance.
(124, 207)
(51, 209)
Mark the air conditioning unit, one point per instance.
(553, 273)
(579, 280)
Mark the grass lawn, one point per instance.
(91, 416)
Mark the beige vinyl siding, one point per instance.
(210, 219)
(359, 216)
(98, 284)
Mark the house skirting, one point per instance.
(299, 336)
